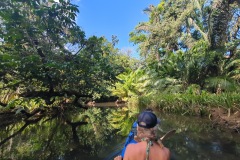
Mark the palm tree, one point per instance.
(174, 25)
(198, 28)
(234, 70)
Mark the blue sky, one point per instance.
(112, 17)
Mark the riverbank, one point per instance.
(219, 117)
(206, 105)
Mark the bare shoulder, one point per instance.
(136, 146)
(159, 152)
(167, 152)
(166, 149)
(140, 144)
(135, 151)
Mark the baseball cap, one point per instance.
(147, 119)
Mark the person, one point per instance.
(132, 134)
(148, 146)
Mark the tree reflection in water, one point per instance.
(91, 134)
(72, 135)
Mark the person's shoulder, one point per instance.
(132, 145)
(167, 152)
(166, 149)
(134, 151)
(137, 146)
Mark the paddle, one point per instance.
(168, 134)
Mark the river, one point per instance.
(68, 136)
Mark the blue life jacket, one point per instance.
(130, 138)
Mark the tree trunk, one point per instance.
(218, 23)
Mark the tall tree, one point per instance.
(175, 25)
(45, 54)
(188, 40)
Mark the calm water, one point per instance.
(69, 137)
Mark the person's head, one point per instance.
(147, 125)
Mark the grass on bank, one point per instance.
(191, 104)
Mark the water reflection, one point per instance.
(77, 134)
(91, 134)
(195, 139)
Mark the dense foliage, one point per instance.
(186, 46)
(190, 62)
(45, 55)
(187, 43)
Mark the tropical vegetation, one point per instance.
(189, 57)
(189, 63)
(46, 58)
(190, 51)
